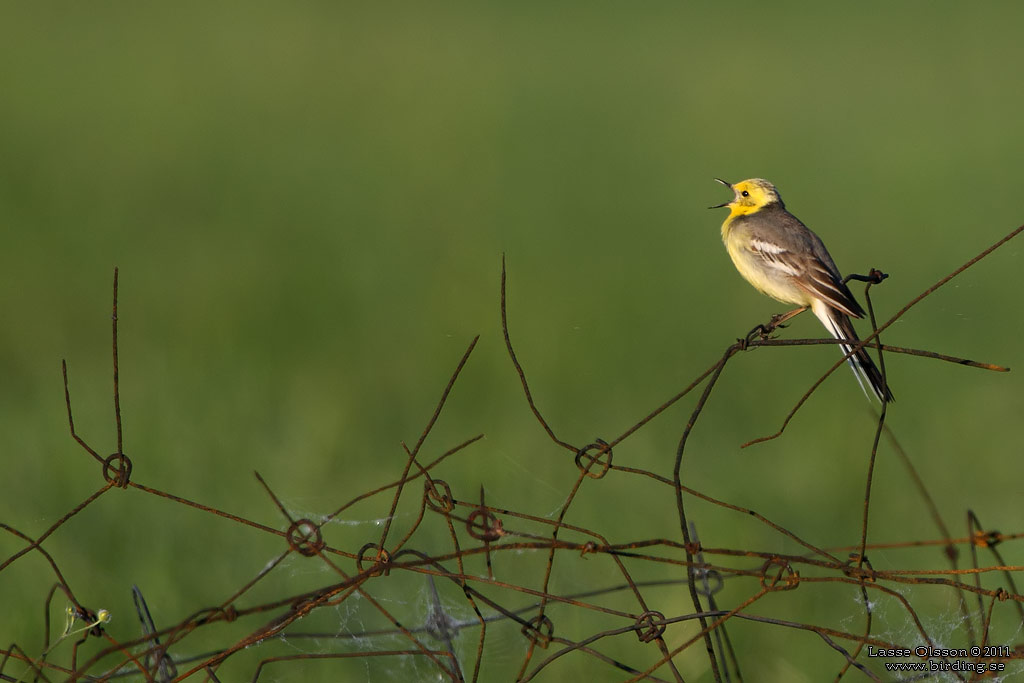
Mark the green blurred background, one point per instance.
(309, 205)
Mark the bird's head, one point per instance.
(750, 196)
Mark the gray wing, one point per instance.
(790, 247)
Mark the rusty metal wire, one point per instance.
(484, 567)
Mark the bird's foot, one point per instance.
(764, 331)
(761, 332)
(777, 321)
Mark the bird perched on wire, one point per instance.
(782, 258)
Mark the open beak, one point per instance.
(719, 206)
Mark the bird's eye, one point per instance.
(745, 193)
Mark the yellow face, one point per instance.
(750, 196)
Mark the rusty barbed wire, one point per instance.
(476, 563)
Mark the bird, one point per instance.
(783, 258)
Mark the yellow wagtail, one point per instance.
(782, 258)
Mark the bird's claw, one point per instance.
(760, 332)
(777, 320)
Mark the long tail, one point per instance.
(864, 369)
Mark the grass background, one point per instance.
(309, 204)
